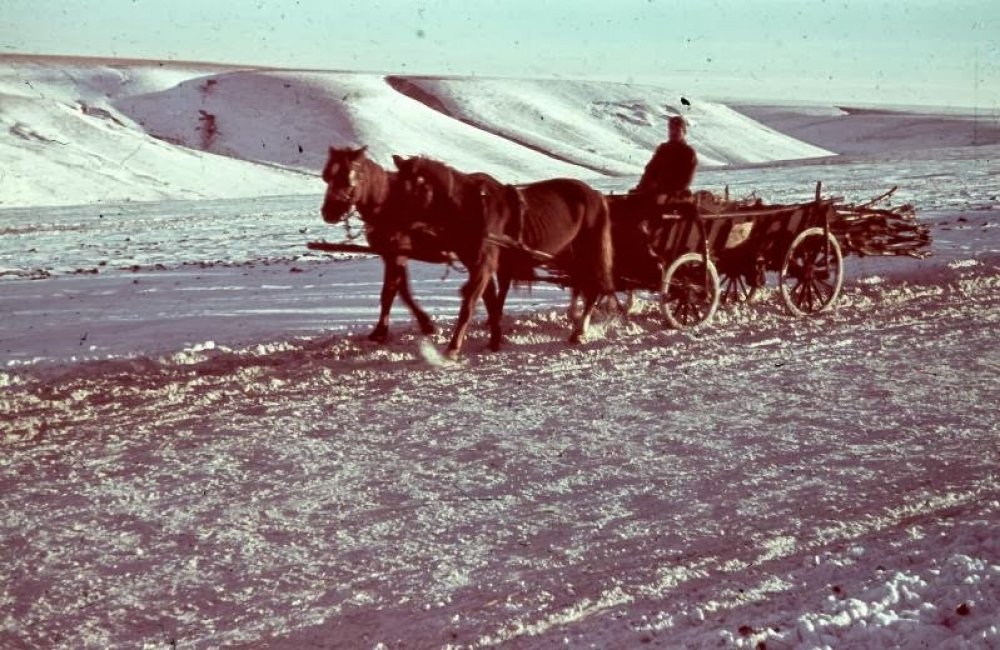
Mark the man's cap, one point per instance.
(677, 120)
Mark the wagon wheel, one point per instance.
(812, 273)
(686, 299)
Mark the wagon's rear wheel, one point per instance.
(689, 297)
(812, 273)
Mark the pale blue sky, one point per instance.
(878, 51)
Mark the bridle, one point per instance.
(349, 195)
(351, 236)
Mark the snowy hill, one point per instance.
(861, 131)
(607, 127)
(63, 142)
(83, 131)
(292, 118)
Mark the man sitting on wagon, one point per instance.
(669, 173)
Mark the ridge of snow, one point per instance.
(83, 133)
(606, 126)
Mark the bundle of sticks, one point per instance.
(867, 229)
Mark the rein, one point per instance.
(355, 195)
(347, 227)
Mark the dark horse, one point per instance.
(355, 181)
(563, 218)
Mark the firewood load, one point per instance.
(865, 229)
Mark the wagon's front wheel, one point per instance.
(812, 273)
(690, 293)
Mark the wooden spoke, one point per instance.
(737, 288)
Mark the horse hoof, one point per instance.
(494, 346)
(575, 338)
(451, 355)
(428, 328)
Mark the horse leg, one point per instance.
(472, 291)
(503, 282)
(614, 303)
(492, 296)
(393, 271)
(589, 301)
(629, 303)
(574, 301)
(423, 320)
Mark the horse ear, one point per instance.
(399, 161)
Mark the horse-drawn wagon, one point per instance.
(690, 254)
(711, 252)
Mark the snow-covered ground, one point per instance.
(201, 449)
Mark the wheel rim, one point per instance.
(686, 300)
(812, 274)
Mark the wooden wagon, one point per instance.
(695, 255)
(710, 254)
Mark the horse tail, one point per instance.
(605, 272)
(518, 271)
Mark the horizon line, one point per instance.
(720, 96)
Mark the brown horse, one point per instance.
(355, 181)
(563, 218)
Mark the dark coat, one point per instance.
(670, 170)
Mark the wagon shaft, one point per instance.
(419, 254)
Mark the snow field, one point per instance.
(333, 491)
(201, 449)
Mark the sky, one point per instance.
(875, 51)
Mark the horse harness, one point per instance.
(520, 210)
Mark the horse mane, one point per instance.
(376, 182)
(444, 175)
(450, 179)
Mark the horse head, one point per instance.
(344, 175)
(425, 181)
